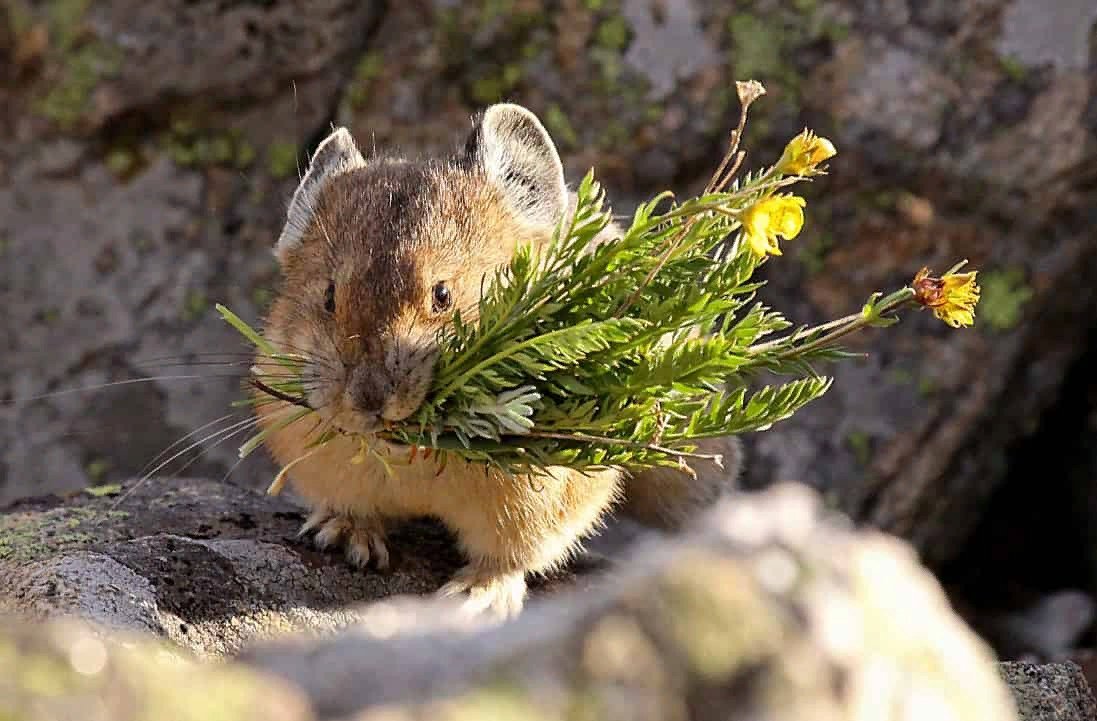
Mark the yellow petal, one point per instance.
(770, 218)
(824, 150)
(953, 298)
(759, 244)
(791, 221)
(758, 221)
(804, 152)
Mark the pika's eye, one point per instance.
(441, 298)
(329, 298)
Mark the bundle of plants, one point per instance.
(629, 352)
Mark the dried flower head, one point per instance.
(770, 218)
(749, 91)
(952, 298)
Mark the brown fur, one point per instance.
(385, 233)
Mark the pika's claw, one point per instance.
(315, 519)
(364, 539)
(499, 595)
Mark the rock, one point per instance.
(1050, 692)
(1035, 36)
(166, 137)
(150, 144)
(206, 565)
(1087, 661)
(771, 608)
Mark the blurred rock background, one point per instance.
(150, 147)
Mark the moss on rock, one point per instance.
(26, 537)
(82, 69)
(192, 146)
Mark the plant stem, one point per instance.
(841, 328)
(770, 345)
(587, 438)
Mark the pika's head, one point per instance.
(377, 255)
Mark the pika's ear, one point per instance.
(515, 151)
(335, 156)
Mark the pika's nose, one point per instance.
(368, 389)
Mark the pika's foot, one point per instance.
(363, 538)
(501, 595)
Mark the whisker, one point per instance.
(206, 450)
(101, 386)
(253, 422)
(218, 437)
(243, 372)
(283, 348)
(188, 355)
(303, 359)
(232, 469)
(272, 370)
(231, 429)
(199, 363)
(184, 439)
(286, 345)
(228, 361)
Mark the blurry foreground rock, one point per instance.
(769, 610)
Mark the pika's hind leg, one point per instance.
(499, 593)
(511, 526)
(363, 538)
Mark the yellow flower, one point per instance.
(804, 152)
(778, 215)
(952, 298)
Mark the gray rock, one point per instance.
(1050, 692)
(203, 564)
(1035, 36)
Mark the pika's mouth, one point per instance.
(368, 425)
(357, 424)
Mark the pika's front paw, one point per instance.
(500, 595)
(363, 538)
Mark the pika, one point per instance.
(376, 257)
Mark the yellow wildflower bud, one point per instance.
(804, 152)
(777, 215)
(952, 298)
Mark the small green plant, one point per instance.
(630, 352)
(1004, 297)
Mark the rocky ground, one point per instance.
(769, 608)
(151, 146)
